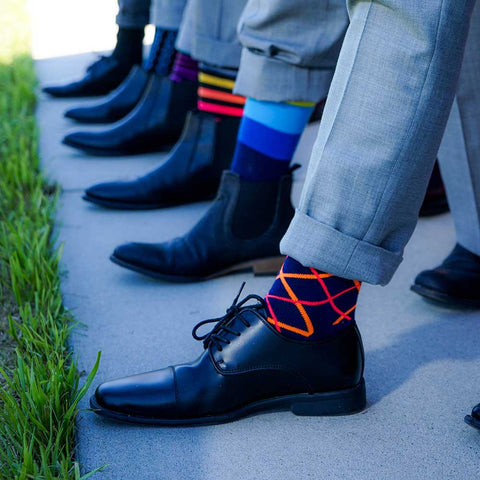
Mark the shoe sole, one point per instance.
(469, 420)
(259, 267)
(100, 152)
(140, 206)
(343, 402)
(440, 298)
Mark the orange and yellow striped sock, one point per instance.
(215, 92)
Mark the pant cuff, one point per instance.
(132, 21)
(315, 244)
(267, 79)
(167, 14)
(210, 50)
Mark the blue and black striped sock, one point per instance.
(268, 136)
(162, 52)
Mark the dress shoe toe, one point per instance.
(140, 395)
(140, 257)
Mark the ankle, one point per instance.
(308, 304)
(128, 49)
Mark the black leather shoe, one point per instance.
(191, 173)
(116, 105)
(246, 368)
(102, 76)
(153, 125)
(455, 283)
(435, 201)
(240, 232)
(474, 419)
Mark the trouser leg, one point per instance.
(167, 14)
(133, 13)
(290, 48)
(459, 153)
(385, 115)
(208, 32)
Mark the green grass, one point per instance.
(40, 387)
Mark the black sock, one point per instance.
(129, 45)
(162, 52)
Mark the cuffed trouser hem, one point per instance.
(167, 14)
(265, 78)
(132, 21)
(315, 244)
(209, 50)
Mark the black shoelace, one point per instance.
(215, 336)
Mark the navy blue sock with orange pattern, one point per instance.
(307, 304)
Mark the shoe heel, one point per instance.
(343, 402)
(268, 266)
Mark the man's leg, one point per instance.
(156, 121)
(382, 126)
(384, 119)
(133, 13)
(166, 16)
(109, 72)
(230, 237)
(457, 281)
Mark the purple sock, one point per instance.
(184, 68)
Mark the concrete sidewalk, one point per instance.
(422, 361)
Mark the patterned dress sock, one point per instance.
(267, 139)
(215, 92)
(184, 68)
(129, 45)
(307, 304)
(162, 52)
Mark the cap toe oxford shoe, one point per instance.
(246, 368)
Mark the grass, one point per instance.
(40, 387)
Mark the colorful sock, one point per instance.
(307, 304)
(267, 139)
(215, 92)
(162, 52)
(129, 45)
(184, 68)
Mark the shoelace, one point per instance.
(215, 336)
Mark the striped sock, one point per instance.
(162, 52)
(215, 92)
(184, 68)
(267, 139)
(307, 304)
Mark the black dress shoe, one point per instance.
(102, 77)
(191, 173)
(240, 232)
(246, 368)
(474, 419)
(455, 283)
(435, 201)
(153, 125)
(118, 104)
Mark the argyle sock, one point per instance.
(184, 68)
(215, 92)
(162, 52)
(267, 139)
(129, 45)
(307, 304)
